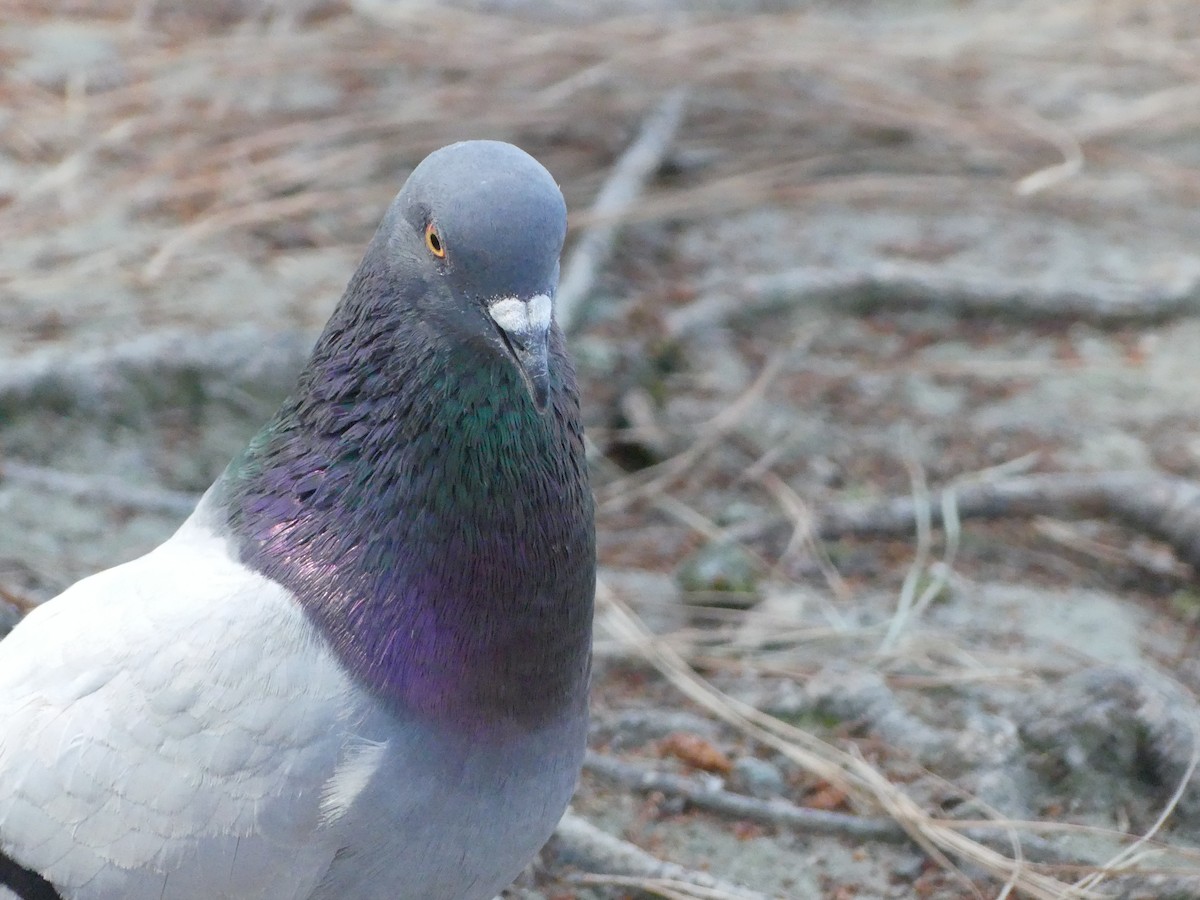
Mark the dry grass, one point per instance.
(266, 131)
(239, 127)
(869, 788)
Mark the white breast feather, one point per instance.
(174, 714)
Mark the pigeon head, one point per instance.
(424, 491)
(480, 224)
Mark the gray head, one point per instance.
(481, 225)
(424, 491)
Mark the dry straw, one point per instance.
(869, 788)
(227, 127)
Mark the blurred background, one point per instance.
(886, 320)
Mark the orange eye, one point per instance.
(433, 241)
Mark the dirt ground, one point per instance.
(891, 387)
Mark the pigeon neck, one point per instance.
(435, 527)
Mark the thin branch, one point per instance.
(1163, 506)
(889, 283)
(628, 179)
(854, 775)
(579, 843)
(667, 888)
(98, 489)
(654, 478)
(785, 814)
(775, 811)
(98, 379)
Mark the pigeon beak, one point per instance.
(525, 326)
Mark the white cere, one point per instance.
(522, 316)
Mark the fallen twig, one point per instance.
(100, 380)
(86, 488)
(783, 813)
(628, 179)
(579, 843)
(851, 773)
(775, 811)
(653, 479)
(888, 283)
(1164, 506)
(668, 888)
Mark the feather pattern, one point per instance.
(360, 668)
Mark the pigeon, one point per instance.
(359, 669)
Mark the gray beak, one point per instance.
(525, 325)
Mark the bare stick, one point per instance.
(97, 379)
(667, 888)
(726, 803)
(579, 843)
(888, 283)
(654, 478)
(848, 771)
(86, 488)
(1166, 507)
(783, 813)
(628, 179)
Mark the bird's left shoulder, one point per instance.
(170, 715)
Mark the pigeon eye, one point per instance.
(433, 241)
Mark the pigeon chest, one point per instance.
(431, 815)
